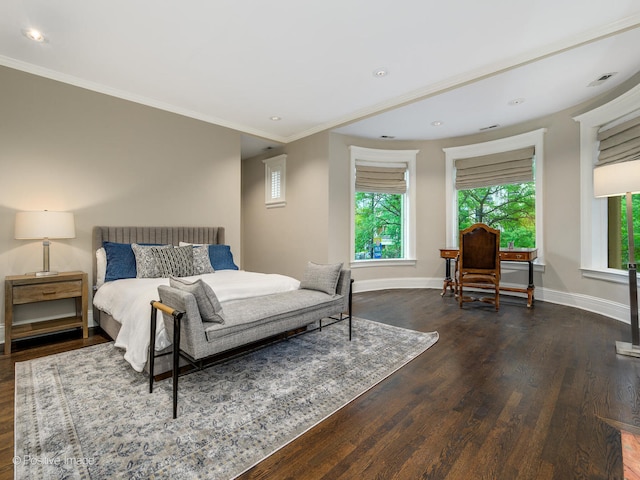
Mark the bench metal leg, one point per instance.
(176, 363)
(350, 306)
(152, 346)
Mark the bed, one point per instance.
(122, 303)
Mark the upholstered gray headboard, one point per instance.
(165, 235)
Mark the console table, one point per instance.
(506, 255)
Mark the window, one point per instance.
(498, 183)
(382, 207)
(618, 236)
(619, 142)
(499, 190)
(594, 212)
(274, 181)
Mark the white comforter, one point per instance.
(128, 301)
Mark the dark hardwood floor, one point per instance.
(522, 393)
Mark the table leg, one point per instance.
(447, 278)
(531, 287)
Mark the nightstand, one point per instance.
(26, 289)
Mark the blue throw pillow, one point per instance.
(221, 257)
(121, 262)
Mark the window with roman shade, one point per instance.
(499, 183)
(618, 143)
(383, 199)
(512, 167)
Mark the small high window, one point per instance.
(274, 181)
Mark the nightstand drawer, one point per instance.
(50, 291)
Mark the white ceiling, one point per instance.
(238, 63)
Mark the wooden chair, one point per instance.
(479, 262)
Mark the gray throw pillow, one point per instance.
(321, 277)
(177, 261)
(146, 264)
(208, 304)
(201, 261)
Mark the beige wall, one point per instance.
(560, 281)
(111, 162)
(282, 240)
(119, 163)
(561, 206)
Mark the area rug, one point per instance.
(87, 414)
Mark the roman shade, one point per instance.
(620, 143)
(381, 179)
(514, 166)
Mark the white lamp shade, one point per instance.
(616, 179)
(44, 224)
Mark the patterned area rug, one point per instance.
(88, 414)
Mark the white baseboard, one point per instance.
(597, 305)
(615, 310)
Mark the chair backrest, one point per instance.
(480, 249)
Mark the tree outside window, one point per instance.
(618, 238)
(383, 199)
(378, 225)
(508, 208)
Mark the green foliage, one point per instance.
(635, 205)
(378, 215)
(509, 208)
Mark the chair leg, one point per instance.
(497, 302)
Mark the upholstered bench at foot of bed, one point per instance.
(245, 321)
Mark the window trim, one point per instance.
(271, 165)
(534, 138)
(593, 211)
(379, 156)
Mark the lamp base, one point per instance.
(626, 348)
(46, 274)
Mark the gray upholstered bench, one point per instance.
(242, 322)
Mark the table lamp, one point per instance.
(613, 180)
(44, 225)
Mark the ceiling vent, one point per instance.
(600, 80)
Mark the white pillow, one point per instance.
(101, 263)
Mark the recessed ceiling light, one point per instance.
(437, 123)
(516, 101)
(34, 34)
(275, 118)
(380, 72)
